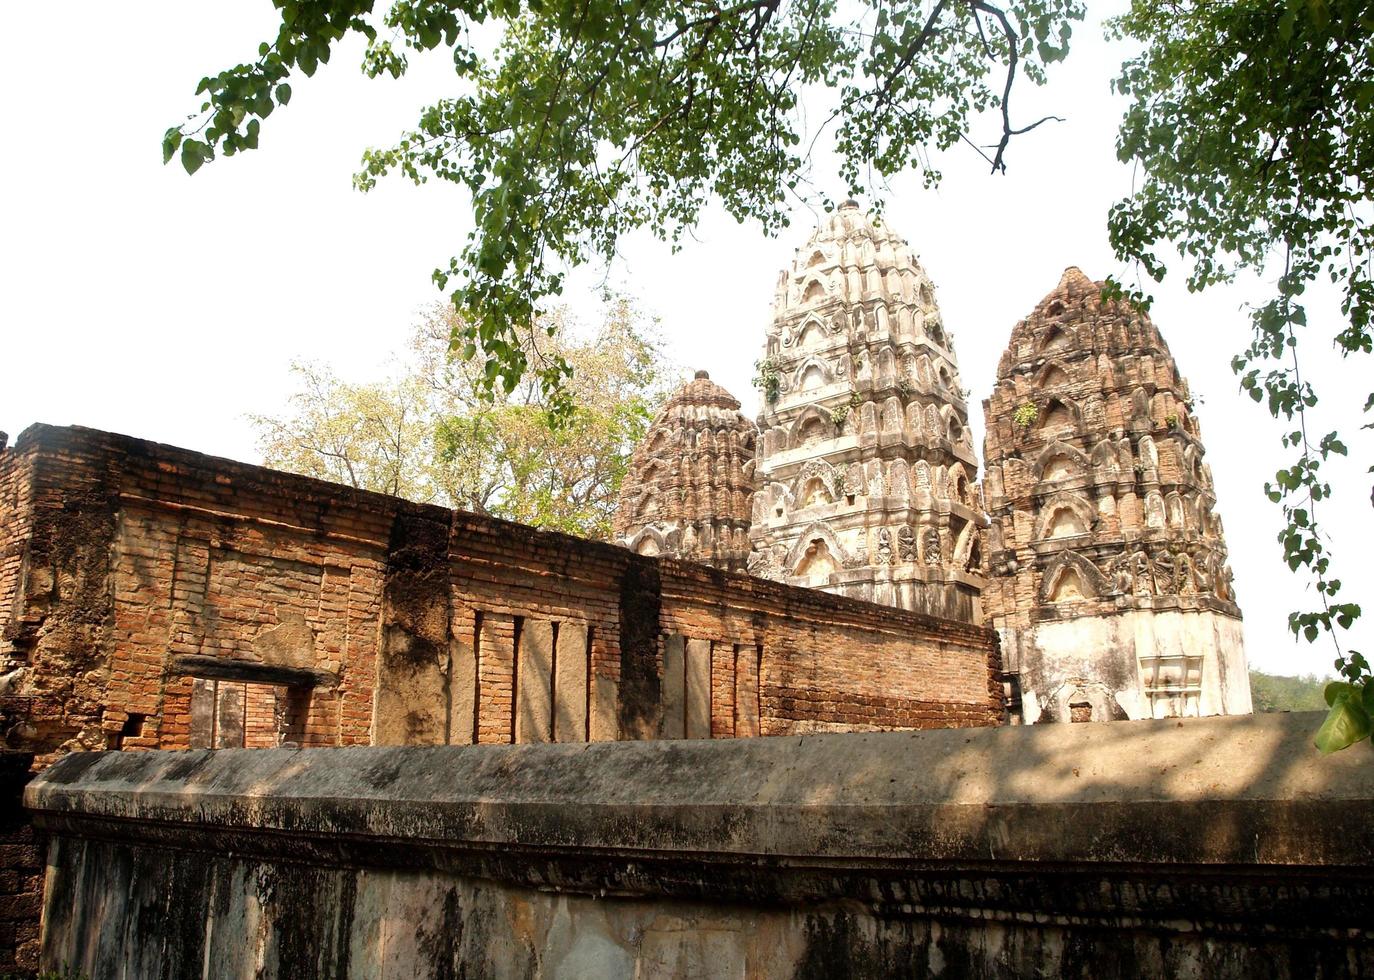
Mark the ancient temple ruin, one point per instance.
(686, 493)
(865, 481)
(1108, 579)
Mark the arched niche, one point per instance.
(811, 426)
(959, 485)
(814, 291)
(650, 541)
(1064, 515)
(1071, 578)
(816, 552)
(1059, 461)
(1057, 416)
(1052, 375)
(974, 562)
(1056, 338)
(812, 334)
(647, 505)
(815, 484)
(815, 493)
(813, 373)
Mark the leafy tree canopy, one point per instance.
(434, 434)
(581, 120)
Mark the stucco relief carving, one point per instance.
(930, 545)
(906, 543)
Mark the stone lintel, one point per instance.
(248, 672)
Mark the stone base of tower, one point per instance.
(1133, 664)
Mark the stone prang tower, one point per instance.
(686, 494)
(865, 481)
(1108, 576)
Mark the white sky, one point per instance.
(136, 299)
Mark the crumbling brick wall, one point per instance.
(160, 598)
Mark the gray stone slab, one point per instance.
(202, 713)
(673, 684)
(698, 655)
(462, 685)
(534, 683)
(229, 730)
(1226, 790)
(570, 684)
(747, 663)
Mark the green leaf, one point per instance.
(170, 143)
(1346, 723)
(283, 93)
(192, 155)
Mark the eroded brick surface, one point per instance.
(130, 566)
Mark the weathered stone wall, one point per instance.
(166, 599)
(1221, 847)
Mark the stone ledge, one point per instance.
(1241, 792)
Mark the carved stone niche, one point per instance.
(906, 543)
(930, 542)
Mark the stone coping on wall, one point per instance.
(1246, 792)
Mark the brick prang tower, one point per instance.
(866, 475)
(686, 494)
(1108, 576)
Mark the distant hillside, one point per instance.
(1274, 692)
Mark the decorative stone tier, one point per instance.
(1217, 848)
(1109, 583)
(866, 478)
(686, 494)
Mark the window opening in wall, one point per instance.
(587, 701)
(132, 728)
(553, 681)
(1080, 711)
(518, 623)
(476, 674)
(238, 714)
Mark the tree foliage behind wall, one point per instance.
(1275, 692)
(432, 433)
(575, 122)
